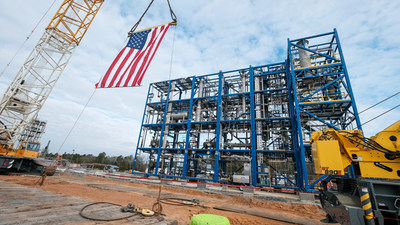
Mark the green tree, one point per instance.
(101, 158)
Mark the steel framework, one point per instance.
(255, 121)
(35, 80)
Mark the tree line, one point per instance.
(123, 162)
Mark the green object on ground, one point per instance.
(209, 219)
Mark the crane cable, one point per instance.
(381, 114)
(378, 103)
(26, 39)
(173, 16)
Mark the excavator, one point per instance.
(34, 82)
(363, 175)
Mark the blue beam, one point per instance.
(320, 89)
(353, 103)
(300, 156)
(253, 129)
(187, 146)
(141, 127)
(159, 152)
(218, 128)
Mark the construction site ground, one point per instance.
(60, 199)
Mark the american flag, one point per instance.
(130, 65)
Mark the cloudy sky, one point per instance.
(212, 35)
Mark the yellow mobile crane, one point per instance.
(34, 82)
(365, 172)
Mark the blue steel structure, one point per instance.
(212, 126)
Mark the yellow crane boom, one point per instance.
(35, 80)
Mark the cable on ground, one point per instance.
(102, 219)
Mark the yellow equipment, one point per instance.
(376, 157)
(363, 186)
(34, 82)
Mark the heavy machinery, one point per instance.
(363, 175)
(34, 82)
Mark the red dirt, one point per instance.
(183, 214)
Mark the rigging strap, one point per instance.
(173, 17)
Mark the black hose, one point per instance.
(99, 219)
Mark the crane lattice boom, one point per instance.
(36, 78)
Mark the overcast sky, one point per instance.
(211, 36)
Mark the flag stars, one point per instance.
(138, 40)
(129, 67)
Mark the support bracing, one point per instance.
(38, 75)
(249, 126)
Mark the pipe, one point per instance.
(243, 76)
(198, 108)
(168, 117)
(304, 55)
(179, 115)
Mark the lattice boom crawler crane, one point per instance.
(34, 82)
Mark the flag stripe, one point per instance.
(131, 63)
(137, 61)
(158, 44)
(127, 68)
(103, 81)
(144, 65)
(145, 60)
(129, 53)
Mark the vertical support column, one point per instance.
(218, 128)
(160, 148)
(295, 135)
(346, 75)
(299, 149)
(141, 128)
(185, 160)
(253, 129)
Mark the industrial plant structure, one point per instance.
(249, 126)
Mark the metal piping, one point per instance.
(198, 109)
(168, 117)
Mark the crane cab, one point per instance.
(28, 149)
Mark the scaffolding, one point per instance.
(250, 126)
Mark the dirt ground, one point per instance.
(145, 195)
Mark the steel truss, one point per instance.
(210, 127)
(323, 96)
(35, 80)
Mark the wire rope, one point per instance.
(381, 114)
(172, 54)
(76, 121)
(379, 103)
(100, 219)
(26, 39)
